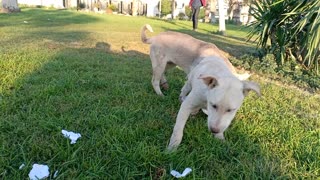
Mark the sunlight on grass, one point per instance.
(91, 73)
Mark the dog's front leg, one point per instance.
(184, 91)
(183, 115)
(219, 136)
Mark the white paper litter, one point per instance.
(25, 21)
(71, 135)
(22, 166)
(55, 174)
(179, 175)
(39, 171)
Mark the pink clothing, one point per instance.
(202, 1)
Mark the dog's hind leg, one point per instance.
(163, 82)
(158, 70)
(156, 80)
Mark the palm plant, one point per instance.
(289, 29)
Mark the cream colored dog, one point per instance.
(211, 86)
(169, 49)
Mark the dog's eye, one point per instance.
(229, 110)
(215, 106)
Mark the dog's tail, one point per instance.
(242, 77)
(144, 38)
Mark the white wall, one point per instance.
(54, 3)
(181, 4)
(152, 8)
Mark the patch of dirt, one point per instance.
(159, 173)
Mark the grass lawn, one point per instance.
(91, 74)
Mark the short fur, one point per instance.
(169, 49)
(211, 86)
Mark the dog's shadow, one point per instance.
(106, 47)
(103, 46)
(133, 53)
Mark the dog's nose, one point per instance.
(214, 130)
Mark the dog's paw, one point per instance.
(173, 146)
(165, 86)
(219, 136)
(174, 142)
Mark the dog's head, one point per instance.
(224, 98)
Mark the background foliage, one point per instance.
(288, 29)
(188, 12)
(166, 7)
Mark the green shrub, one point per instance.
(290, 72)
(23, 6)
(113, 7)
(288, 29)
(166, 7)
(202, 13)
(189, 12)
(82, 5)
(181, 16)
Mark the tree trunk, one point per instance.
(207, 13)
(134, 8)
(222, 23)
(231, 9)
(9, 6)
(213, 10)
(160, 9)
(172, 8)
(249, 15)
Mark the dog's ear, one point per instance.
(249, 85)
(210, 81)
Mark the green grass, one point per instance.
(66, 70)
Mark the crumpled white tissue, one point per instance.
(55, 174)
(22, 166)
(179, 175)
(71, 135)
(39, 171)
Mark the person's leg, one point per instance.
(193, 16)
(196, 14)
